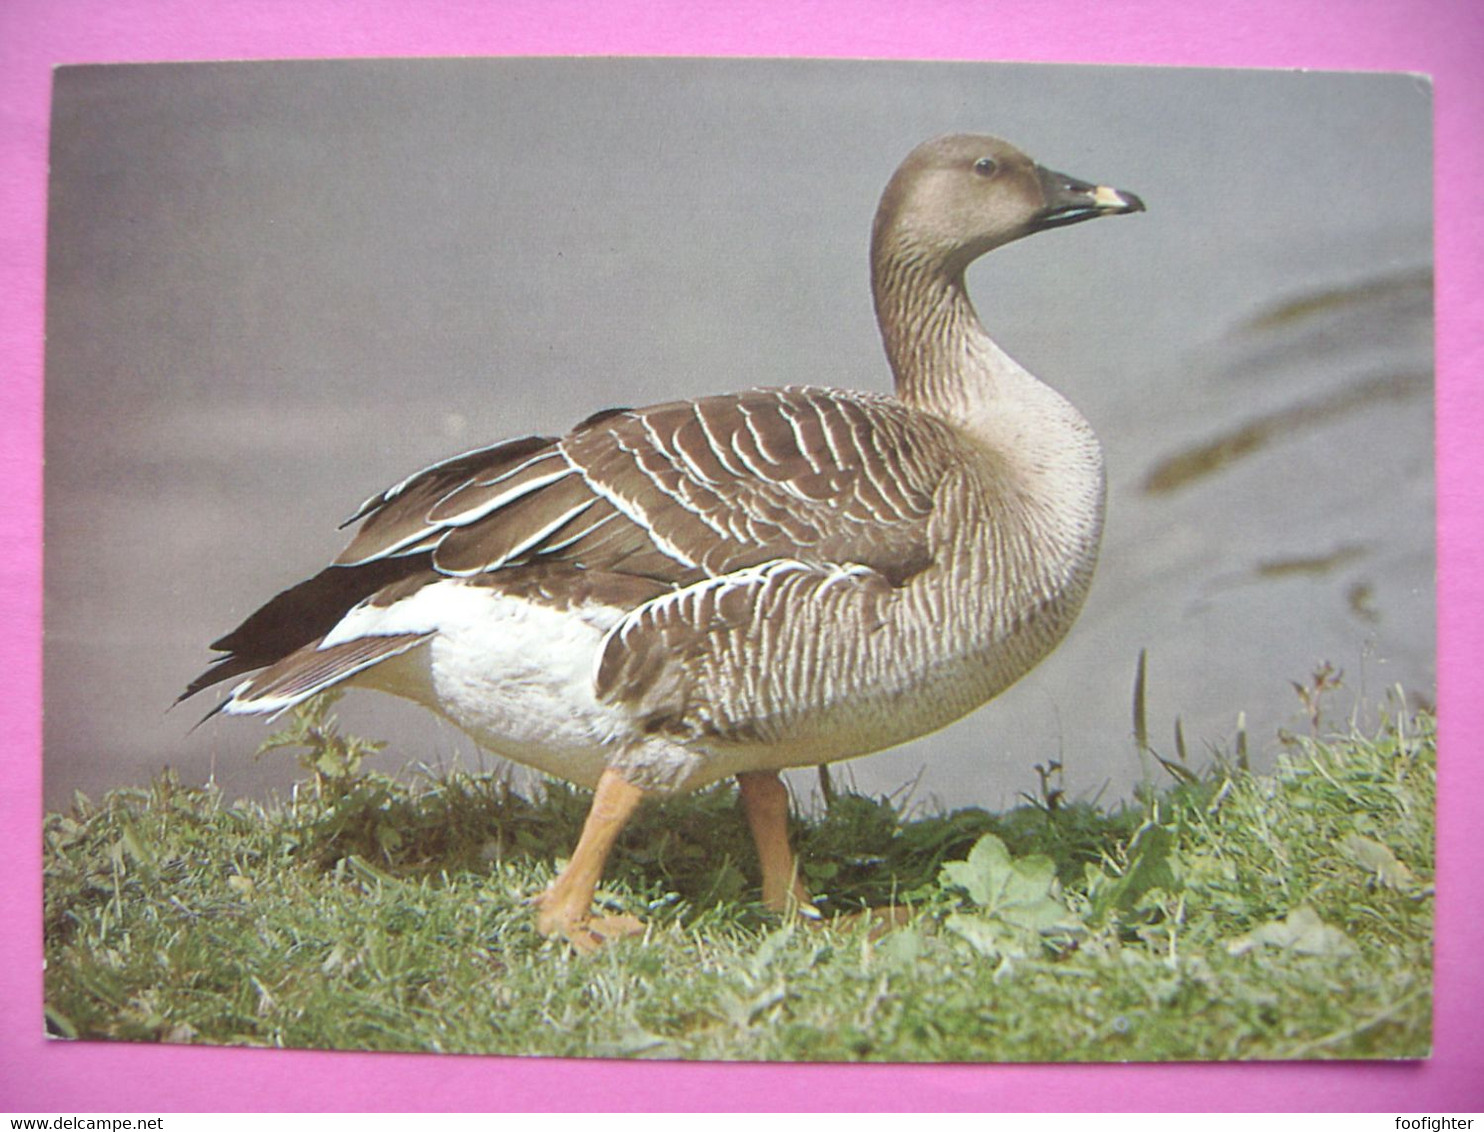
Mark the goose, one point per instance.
(732, 585)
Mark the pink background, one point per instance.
(1444, 38)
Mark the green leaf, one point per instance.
(983, 872)
(900, 949)
(1149, 868)
(1016, 897)
(388, 838)
(136, 847)
(992, 940)
(769, 950)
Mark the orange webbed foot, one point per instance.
(572, 922)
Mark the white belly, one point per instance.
(514, 674)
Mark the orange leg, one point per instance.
(565, 907)
(765, 801)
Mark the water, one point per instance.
(276, 288)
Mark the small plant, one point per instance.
(1018, 904)
(1177, 768)
(1052, 794)
(1324, 680)
(1118, 887)
(332, 760)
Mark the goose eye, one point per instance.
(986, 167)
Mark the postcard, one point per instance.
(740, 560)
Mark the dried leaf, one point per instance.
(1302, 932)
(1379, 861)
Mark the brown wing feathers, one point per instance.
(398, 518)
(674, 493)
(731, 482)
(677, 491)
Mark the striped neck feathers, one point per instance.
(946, 364)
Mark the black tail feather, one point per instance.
(299, 615)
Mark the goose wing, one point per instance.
(808, 500)
(680, 492)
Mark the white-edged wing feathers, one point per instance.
(681, 491)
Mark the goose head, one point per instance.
(956, 197)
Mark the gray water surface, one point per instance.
(276, 288)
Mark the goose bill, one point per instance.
(1070, 201)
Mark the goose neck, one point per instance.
(946, 364)
(942, 358)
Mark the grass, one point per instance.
(1231, 916)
